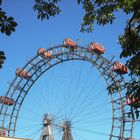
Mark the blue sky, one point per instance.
(32, 34)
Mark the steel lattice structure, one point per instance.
(122, 126)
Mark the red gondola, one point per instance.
(132, 101)
(43, 53)
(7, 101)
(119, 68)
(2, 132)
(48, 54)
(22, 73)
(69, 43)
(97, 48)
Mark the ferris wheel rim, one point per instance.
(83, 50)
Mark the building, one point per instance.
(9, 138)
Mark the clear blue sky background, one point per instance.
(32, 34)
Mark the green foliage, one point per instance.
(2, 58)
(133, 87)
(7, 24)
(46, 9)
(0, 2)
(130, 43)
(88, 19)
(102, 12)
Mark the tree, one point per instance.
(97, 12)
(2, 58)
(7, 24)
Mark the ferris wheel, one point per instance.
(69, 107)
